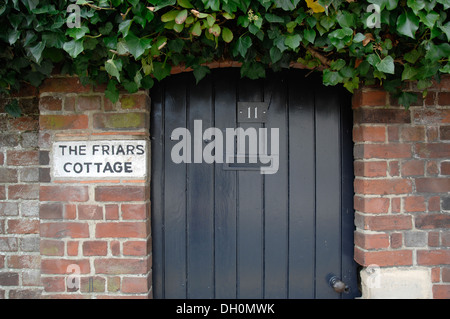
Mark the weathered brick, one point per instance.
(383, 186)
(431, 116)
(371, 241)
(63, 85)
(93, 284)
(431, 221)
(23, 226)
(54, 284)
(22, 158)
(370, 169)
(381, 116)
(383, 258)
(9, 209)
(51, 210)
(24, 261)
(90, 212)
(396, 240)
(120, 121)
(415, 239)
(121, 193)
(8, 175)
(63, 122)
(412, 133)
(135, 248)
(60, 266)
(64, 229)
(23, 191)
(444, 98)
(433, 185)
(64, 193)
(121, 230)
(117, 266)
(445, 168)
(384, 222)
(30, 244)
(9, 279)
(372, 205)
(415, 204)
(95, 248)
(135, 285)
(52, 247)
(441, 291)
(413, 168)
(433, 150)
(50, 103)
(8, 244)
(384, 151)
(134, 101)
(433, 257)
(88, 103)
(134, 211)
(444, 132)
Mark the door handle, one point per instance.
(337, 284)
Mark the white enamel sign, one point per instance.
(97, 159)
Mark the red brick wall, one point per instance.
(402, 184)
(19, 200)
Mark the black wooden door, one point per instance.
(229, 231)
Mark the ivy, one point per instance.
(132, 43)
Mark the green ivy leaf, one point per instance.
(181, 17)
(200, 72)
(13, 109)
(408, 72)
(253, 70)
(293, 41)
(74, 47)
(243, 44)
(227, 35)
(446, 29)
(137, 46)
(309, 35)
(386, 65)
(407, 24)
(275, 54)
(185, 4)
(161, 70)
(111, 92)
(113, 67)
(36, 51)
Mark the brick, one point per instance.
(412, 133)
(52, 247)
(433, 257)
(8, 175)
(9, 140)
(134, 211)
(394, 168)
(384, 222)
(433, 239)
(9, 279)
(24, 261)
(414, 204)
(86, 212)
(413, 168)
(430, 117)
(23, 226)
(445, 168)
(120, 121)
(51, 210)
(134, 101)
(121, 193)
(383, 186)
(64, 193)
(111, 212)
(384, 151)
(434, 204)
(135, 285)
(383, 258)
(432, 133)
(446, 274)
(446, 239)
(69, 103)
(415, 239)
(9, 209)
(25, 293)
(64, 229)
(24, 123)
(72, 248)
(2, 192)
(432, 168)
(29, 174)
(50, 103)
(396, 240)
(2, 158)
(44, 157)
(8, 244)
(433, 150)
(22, 158)
(432, 185)
(63, 122)
(370, 169)
(54, 284)
(31, 277)
(371, 241)
(92, 284)
(444, 98)
(135, 248)
(444, 132)
(372, 205)
(95, 248)
(88, 103)
(115, 247)
(117, 266)
(70, 211)
(29, 244)
(113, 284)
(60, 266)
(63, 85)
(365, 133)
(23, 191)
(441, 291)
(381, 116)
(435, 274)
(432, 221)
(121, 230)
(369, 98)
